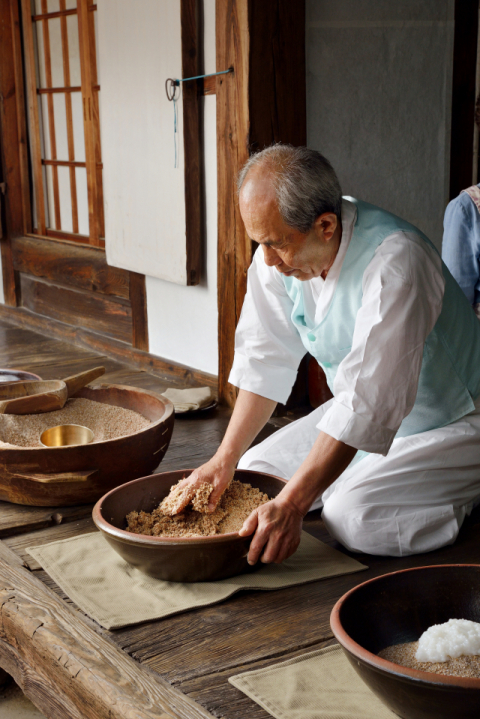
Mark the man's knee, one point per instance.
(342, 517)
(246, 460)
(388, 529)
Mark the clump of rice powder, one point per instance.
(236, 504)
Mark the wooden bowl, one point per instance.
(62, 476)
(175, 559)
(32, 397)
(397, 608)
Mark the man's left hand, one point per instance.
(277, 526)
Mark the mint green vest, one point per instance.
(450, 374)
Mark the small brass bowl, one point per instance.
(66, 434)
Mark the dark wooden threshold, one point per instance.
(117, 350)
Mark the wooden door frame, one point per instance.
(261, 102)
(13, 144)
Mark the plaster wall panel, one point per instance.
(182, 321)
(139, 47)
(379, 77)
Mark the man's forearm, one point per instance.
(326, 461)
(250, 415)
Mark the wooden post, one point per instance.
(138, 301)
(34, 116)
(234, 253)
(12, 144)
(90, 117)
(69, 115)
(191, 141)
(261, 102)
(51, 118)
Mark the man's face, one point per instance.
(292, 253)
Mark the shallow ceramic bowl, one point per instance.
(175, 559)
(397, 608)
(16, 375)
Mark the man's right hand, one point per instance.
(217, 471)
(249, 416)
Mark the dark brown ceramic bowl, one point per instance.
(8, 376)
(397, 608)
(196, 559)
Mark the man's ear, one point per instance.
(325, 225)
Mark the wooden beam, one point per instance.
(210, 86)
(71, 237)
(234, 252)
(10, 157)
(463, 95)
(52, 15)
(195, 220)
(100, 212)
(276, 81)
(33, 116)
(64, 163)
(138, 299)
(58, 90)
(69, 116)
(69, 670)
(59, 13)
(262, 102)
(110, 316)
(79, 266)
(90, 117)
(117, 350)
(21, 117)
(51, 120)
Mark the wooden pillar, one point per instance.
(261, 102)
(13, 144)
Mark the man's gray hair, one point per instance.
(305, 183)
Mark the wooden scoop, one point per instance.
(43, 395)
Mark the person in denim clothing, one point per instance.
(461, 243)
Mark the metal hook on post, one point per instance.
(171, 84)
(171, 88)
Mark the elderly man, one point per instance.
(394, 457)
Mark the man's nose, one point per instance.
(271, 257)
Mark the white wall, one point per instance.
(182, 321)
(379, 101)
(143, 175)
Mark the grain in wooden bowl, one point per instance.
(238, 501)
(106, 422)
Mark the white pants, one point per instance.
(413, 500)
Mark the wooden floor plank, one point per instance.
(18, 519)
(18, 351)
(60, 368)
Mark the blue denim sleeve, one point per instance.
(461, 245)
